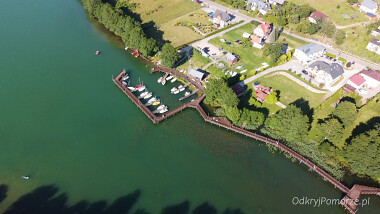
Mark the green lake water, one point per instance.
(65, 123)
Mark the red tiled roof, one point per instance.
(262, 92)
(372, 73)
(358, 80)
(318, 14)
(255, 39)
(349, 88)
(265, 27)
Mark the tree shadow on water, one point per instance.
(48, 200)
(3, 192)
(43, 200)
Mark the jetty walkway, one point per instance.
(350, 200)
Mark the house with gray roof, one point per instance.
(277, 2)
(221, 18)
(324, 73)
(260, 5)
(231, 58)
(374, 46)
(369, 6)
(309, 52)
(197, 74)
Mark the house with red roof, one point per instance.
(263, 30)
(317, 15)
(257, 42)
(261, 91)
(354, 83)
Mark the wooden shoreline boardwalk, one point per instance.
(349, 201)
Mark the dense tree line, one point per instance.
(218, 94)
(129, 29)
(240, 4)
(169, 55)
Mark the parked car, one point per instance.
(221, 48)
(329, 45)
(222, 40)
(228, 43)
(305, 72)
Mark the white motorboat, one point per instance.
(124, 82)
(142, 95)
(169, 77)
(161, 107)
(131, 88)
(151, 100)
(173, 80)
(243, 71)
(181, 89)
(163, 81)
(125, 77)
(163, 110)
(25, 177)
(181, 86)
(149, 95)
(160, 79)
(126, 48)
(176, 92)
(239, 67)
(187, 93)
(173, 89)
(142, 88)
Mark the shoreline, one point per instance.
(349, 201)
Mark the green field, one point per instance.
(329, 7)
(356, 42)
(250, 57)
(291, 41)
(180, 35)
(160, 11)
(290, 91)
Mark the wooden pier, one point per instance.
(352, 195)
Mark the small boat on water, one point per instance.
(142, 88)
(163, 110)
(157, 102)
(160, 79)
(181, 89)
(124, 82)
(169, 77)
(97, 52)
(149, 95)
(181, 86)
(25, 177)
(142, 95)
(163, 81)
(176, 92)
(126, 48)
(243, 71)
(173, 80)
(187, 93)
(151, 101)
(173, 89)
(161, 107)
(131, 88)
(137, 55)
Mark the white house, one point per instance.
(260, 5)
(354, 83)
(369, 6)
(276, 2)
(221, 18)
(317, 15)
(325, 73)
(374, 46)
(372, 78)
(309, 52)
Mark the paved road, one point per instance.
(348, 56)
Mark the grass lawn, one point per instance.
(291, 41)
(329, 7)
(250, 57)
(180, 35)
(197, 61)
(356, 42)
(160, 11)
(290, 91)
